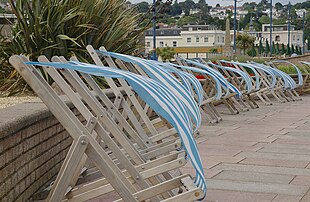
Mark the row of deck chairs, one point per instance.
(239, 85)
(135, 142)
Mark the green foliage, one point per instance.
(261, 49)
(277, 49)
(65, 27)
(292, 49)
(213, 50)
(245, 41)
(273, 48)
(252, 52)
(143, 7)
(283, 49)
(166, 53)
(267, 50)
(290, 69)
(288, 50)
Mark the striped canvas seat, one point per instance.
(108, 141)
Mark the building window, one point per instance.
(189, 40)
(206, 39)
(293, 37)
(161, 44)
(277, 38)
(148, 44)
(223, 40)
(218, 39)
(174, 44)
(298, 38)
(197, 39)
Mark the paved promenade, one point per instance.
(259, 155)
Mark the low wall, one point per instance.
(32, 147)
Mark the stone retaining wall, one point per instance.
(32, 147)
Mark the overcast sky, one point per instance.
(229, 2)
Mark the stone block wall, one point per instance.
(32, 147)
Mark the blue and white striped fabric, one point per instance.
(266, 70)
(158, 97)
(299, 74)
(289, 83)
(218, 85)
(227, 85)
(159, 74)
(257, 79)
(188, 80)
(245, 76)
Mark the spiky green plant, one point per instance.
(65, 27)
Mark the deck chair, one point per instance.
(155, 71)
(306, 76)
(263, 80)
(293, 85)
(120, 162)
(210, 86)
(229, 90)
(240, 85)
(240, 80)
(285, 84)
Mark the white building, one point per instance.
(188, 41)
(279, 35)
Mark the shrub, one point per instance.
(65, 27)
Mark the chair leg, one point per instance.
(241, 106)
(262, 99)
(216, 112)
(250, 100)
(231, 109)
(296, 95)
(278, 97)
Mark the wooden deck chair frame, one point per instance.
(284, 83)
(259, 80)
(228, 98)
(299, 83)
(211, 92)
(237, 78)
(306, 76)
(84, 143)
(240, 105)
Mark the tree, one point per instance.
(273, 48)
(278, 6)
(176, 9)
(267, 50)
(277, 48)
(300, 51)
(166, 53)
(252, 52)
(283, 49)
(264, 19)
(260, 47)
(288, 50)
(67, 26)
(245, 41)
(187, 6)
(143, 7)
(201, 4)
(292, 49)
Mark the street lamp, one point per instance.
(154, 56)
(271, 28)
(289, 24)
(303, 31)
(155, 3)
(235, 26)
